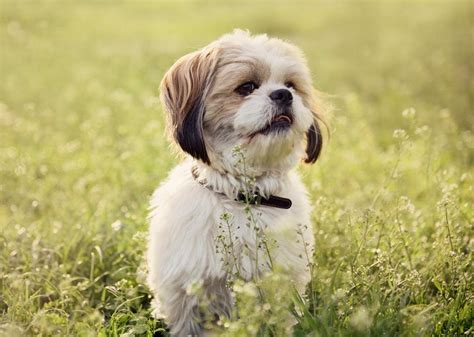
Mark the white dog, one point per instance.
(253, 94)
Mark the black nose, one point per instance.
(282, 96)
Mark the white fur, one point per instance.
(184, 224)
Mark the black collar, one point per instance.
(255, 199)
(272, 200)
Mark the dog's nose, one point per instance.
(282, 96)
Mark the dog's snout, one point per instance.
(282, 96)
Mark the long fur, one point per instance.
(208, 120)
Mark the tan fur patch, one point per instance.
(187, 83)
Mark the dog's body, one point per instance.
(253, 93)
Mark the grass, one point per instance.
(82, 148)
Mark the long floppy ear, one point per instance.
(183, 91)
(314, 137)
(314, 142)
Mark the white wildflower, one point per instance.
(194, 287)
(400, 134)
(117, 225)
(361, 319)
(409, 113)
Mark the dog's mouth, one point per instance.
(280, 122)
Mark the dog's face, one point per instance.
(251, 92)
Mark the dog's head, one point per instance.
(249, 91)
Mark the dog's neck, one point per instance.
(230, 184)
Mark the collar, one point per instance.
(252, 198)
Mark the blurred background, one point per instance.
(82, 142)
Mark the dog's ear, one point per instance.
(314, 137)
(314, 142)
(183, 92)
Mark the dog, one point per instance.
(244, 112)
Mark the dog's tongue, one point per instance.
(282, 118)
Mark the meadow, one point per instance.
(82, 147)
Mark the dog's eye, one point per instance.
(246, 89)
(290, 84)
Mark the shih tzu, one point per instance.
(253, 94)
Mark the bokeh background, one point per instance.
(82, 146)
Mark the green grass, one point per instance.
(82, 147)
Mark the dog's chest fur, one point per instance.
(198, 233)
